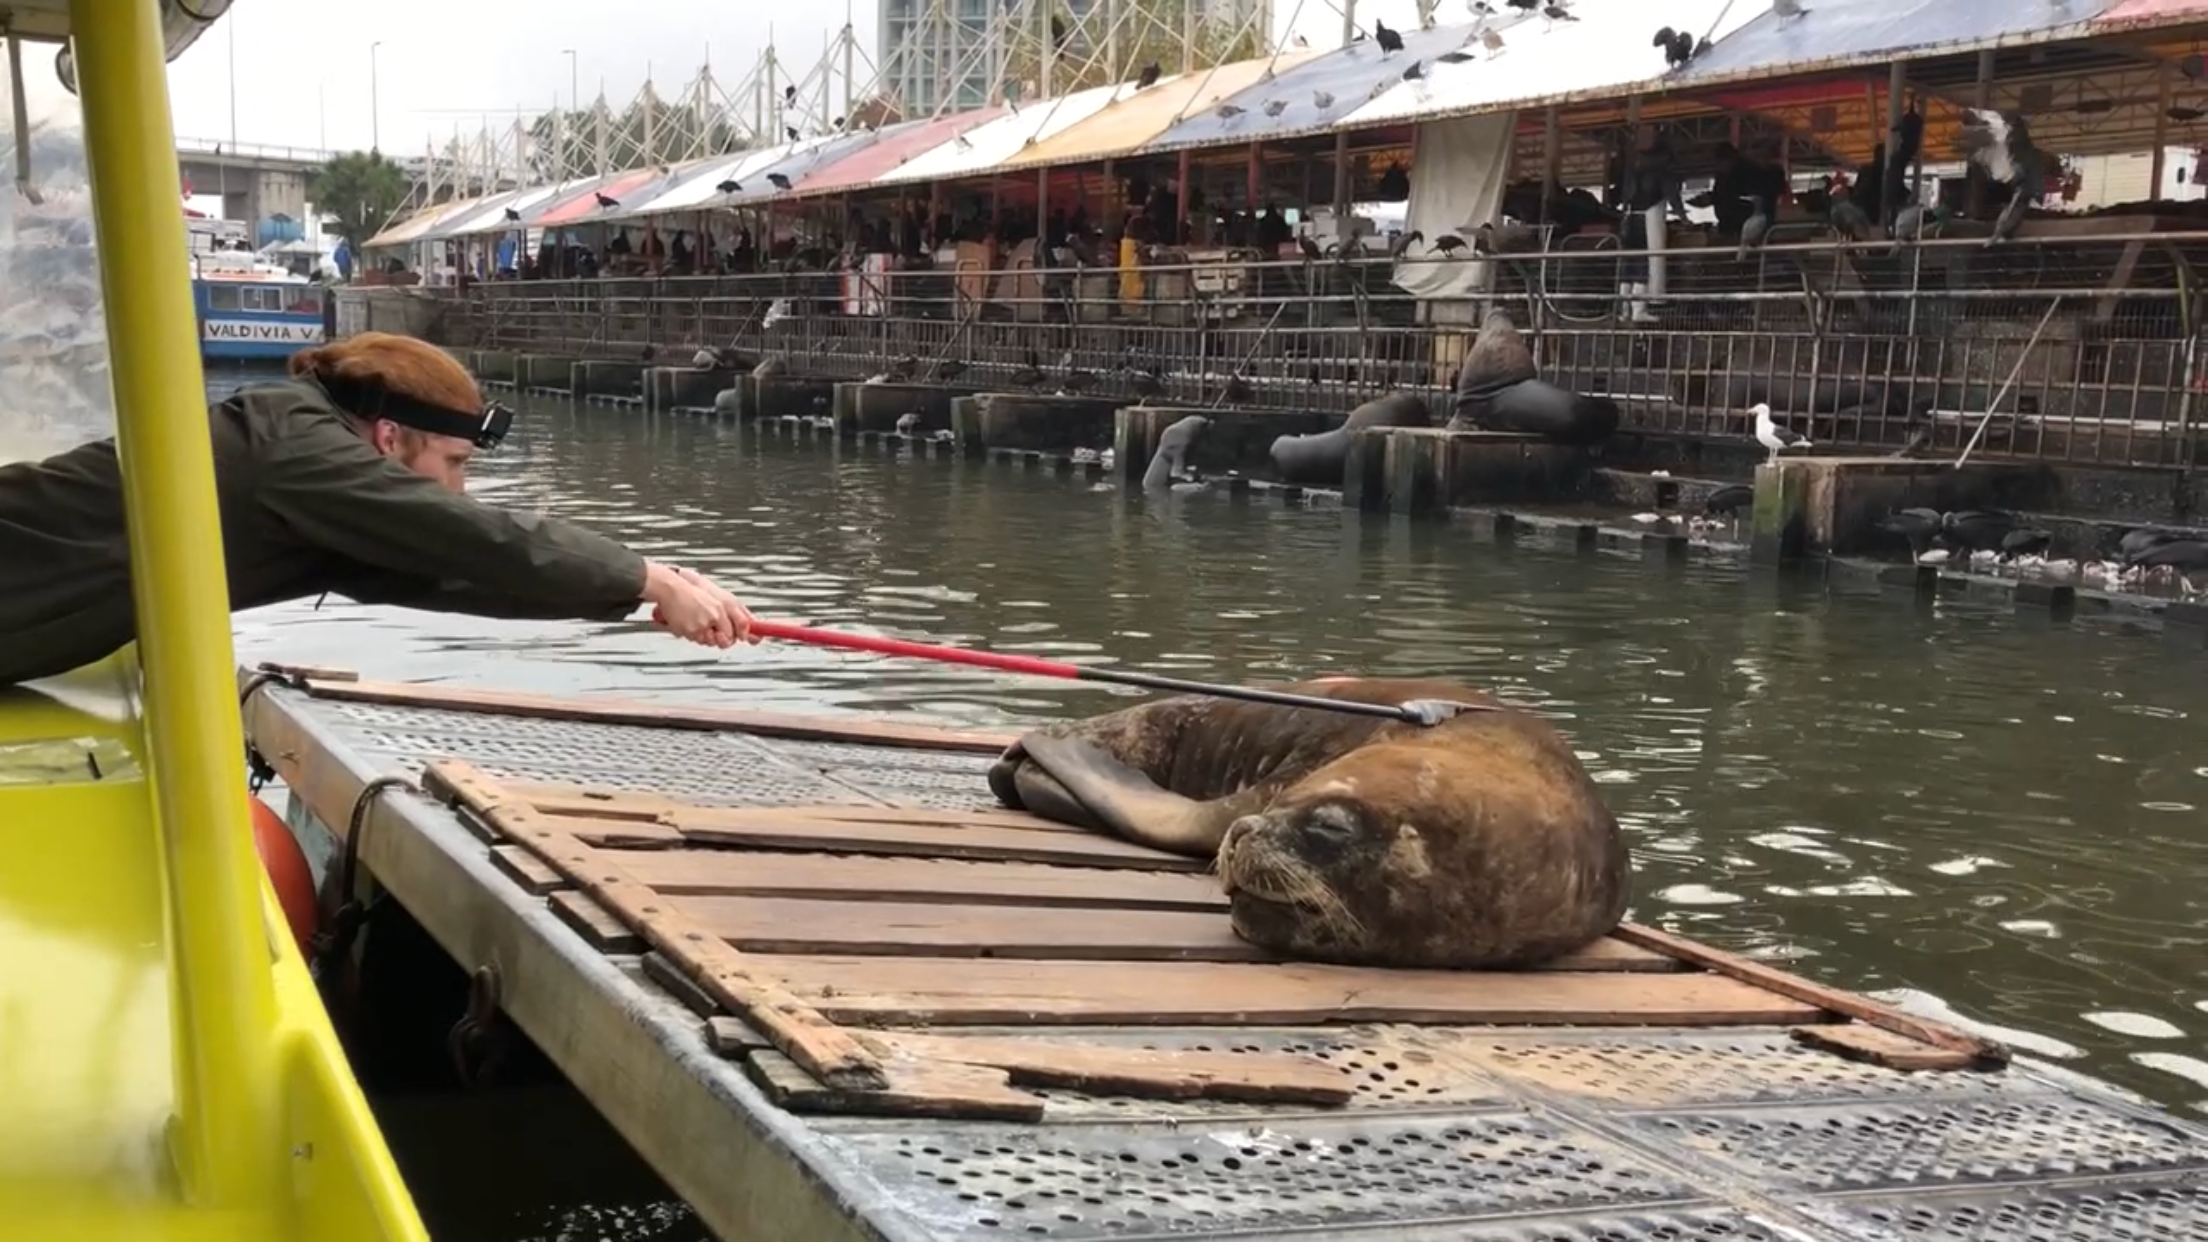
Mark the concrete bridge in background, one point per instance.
(259, 182)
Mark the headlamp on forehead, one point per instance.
(369, 399)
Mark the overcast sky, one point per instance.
(302, 76)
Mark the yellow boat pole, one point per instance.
(223, 999)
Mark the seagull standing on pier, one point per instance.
(1774, 437)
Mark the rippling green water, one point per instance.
(1954, 807)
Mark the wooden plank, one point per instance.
(1148, 1073)
(787, 926)
(867, 878)
(915, 1088)
(620, 834)
(594, 922)
(864, 732)
(1858, 1042)
(592, 802)
(1848, 1004)
(784, 830)
(596, 802)
(800, 1032)
(879, 925)
(978, 817)
(732, 1037)
(669, 977)
(882, 991)
(527, 870)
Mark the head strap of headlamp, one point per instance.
(371, 400)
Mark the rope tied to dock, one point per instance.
(335, 939)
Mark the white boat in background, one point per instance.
(249, 308)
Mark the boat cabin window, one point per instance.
(222, 297)
(305, 299)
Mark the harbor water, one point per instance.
(1983, 818)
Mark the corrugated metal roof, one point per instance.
(1610, 48)
(1131, 121)
(1837, 33)
(1350, 76)
(893, 148)
(986, 146)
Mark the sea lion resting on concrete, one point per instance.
(1319, 459)
(1479, 842)
(1498, 389)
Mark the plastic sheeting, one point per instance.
(1459, 169)
(579, 208)
(634, 189)
(1843, 32)
(1136, 117)
(484, 215)
(571, 199)
(894, 148)
(2127, 12)
(986, 146)
(1608, 49)
(1352, 76)
(702, 190)
(799, 163)
(414, 226)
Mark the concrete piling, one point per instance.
(863, 408)
(670, 388)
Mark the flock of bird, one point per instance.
(1990, 537)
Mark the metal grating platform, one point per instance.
(720, 769)
(1466, 1134)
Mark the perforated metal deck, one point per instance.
(1616, 1135)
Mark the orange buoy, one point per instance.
(287, 871)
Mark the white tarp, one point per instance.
(985, 146)
(1609, 47)
(1459, 168)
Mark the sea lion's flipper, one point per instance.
(1003, 776)
(1041, 794)
(1117, 798)
(1022, 786)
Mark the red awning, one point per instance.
(893, 150)
(583, 205)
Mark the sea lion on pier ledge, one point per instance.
(1318, 460)
(1169, 463)
(1478, 842)
(1498, 389)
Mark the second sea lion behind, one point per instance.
(1499, 389)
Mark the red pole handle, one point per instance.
(910, 650)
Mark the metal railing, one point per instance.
(2092, 345)
(214, 148)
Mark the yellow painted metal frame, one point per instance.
(131, 901)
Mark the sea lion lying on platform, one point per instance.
(1479, 842)
(1319, 459)
(1498, 389)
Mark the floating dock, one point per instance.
(829, 989)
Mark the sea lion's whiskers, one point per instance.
(1292, 883)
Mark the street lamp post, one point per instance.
(375, 108)
(574, 106)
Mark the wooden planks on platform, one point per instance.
(832, 931)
